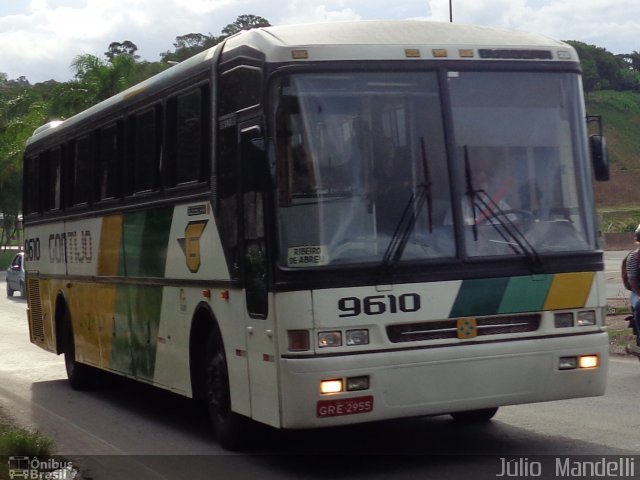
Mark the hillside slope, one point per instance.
(621, 117)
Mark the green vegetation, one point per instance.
(5, 258)
(618, 199)
(15, 441)
(619, 219)
(19, 442)
(620, 111)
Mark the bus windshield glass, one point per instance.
(352, 151)
(363, 166)
(522, 139)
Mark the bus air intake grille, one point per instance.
(448, 329)
(35, 309)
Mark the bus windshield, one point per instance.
(522, 139)
(363, 166)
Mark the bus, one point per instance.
(317, 225)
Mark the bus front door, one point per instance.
(259, 320)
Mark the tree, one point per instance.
(601, 65)
(102, 79)
(125, 48)
(22, 110)
(188, 45)
(245, 22)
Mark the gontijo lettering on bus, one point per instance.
(63, 247)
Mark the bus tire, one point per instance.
(80, 376)
(227, 425)
(475, 416)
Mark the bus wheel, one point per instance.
(475, 416)
(80, 376)
(228, 425)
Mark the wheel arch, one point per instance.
(60, 310)
(203, 323)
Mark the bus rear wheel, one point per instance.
(475, 416)
(227, 425)
(80, 376)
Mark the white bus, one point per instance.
(319, 225)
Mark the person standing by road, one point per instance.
(633, 274)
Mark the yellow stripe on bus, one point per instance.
(569, 290)
(110, 244)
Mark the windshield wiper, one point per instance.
(509, 232)
(410, 214)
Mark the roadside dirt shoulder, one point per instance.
(620, 333)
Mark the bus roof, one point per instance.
(355, 40)
(399, 40)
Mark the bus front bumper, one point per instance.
(431, 381)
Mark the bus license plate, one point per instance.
(345, 406)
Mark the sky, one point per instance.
(40, 38)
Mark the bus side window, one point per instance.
(82, 171)
(187, 147)
(227, 192)
(145, 149)
(109, 161)
(54, 177)
(256, 175)
(240, 89)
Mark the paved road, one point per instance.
(124, 430)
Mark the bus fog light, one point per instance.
(331, 386)
(358, 383)
(357, 337)
(298, 340)
(568, 363)
(587, 317)
(329, 339)
(589, 361)
(563, 320)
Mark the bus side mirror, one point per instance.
(599, 157)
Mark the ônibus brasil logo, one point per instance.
(37, 469)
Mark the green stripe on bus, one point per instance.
(479, 297)
(146, 237)
(525, 294)
(136, 324)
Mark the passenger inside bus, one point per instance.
(392, 188)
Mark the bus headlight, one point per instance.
(586, 317)
(329, 339)
(357, 337)
(563, 320)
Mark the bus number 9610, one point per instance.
(379, 304)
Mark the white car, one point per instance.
(15, 276)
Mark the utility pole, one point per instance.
(450, 11)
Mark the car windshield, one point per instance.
(363, 172)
